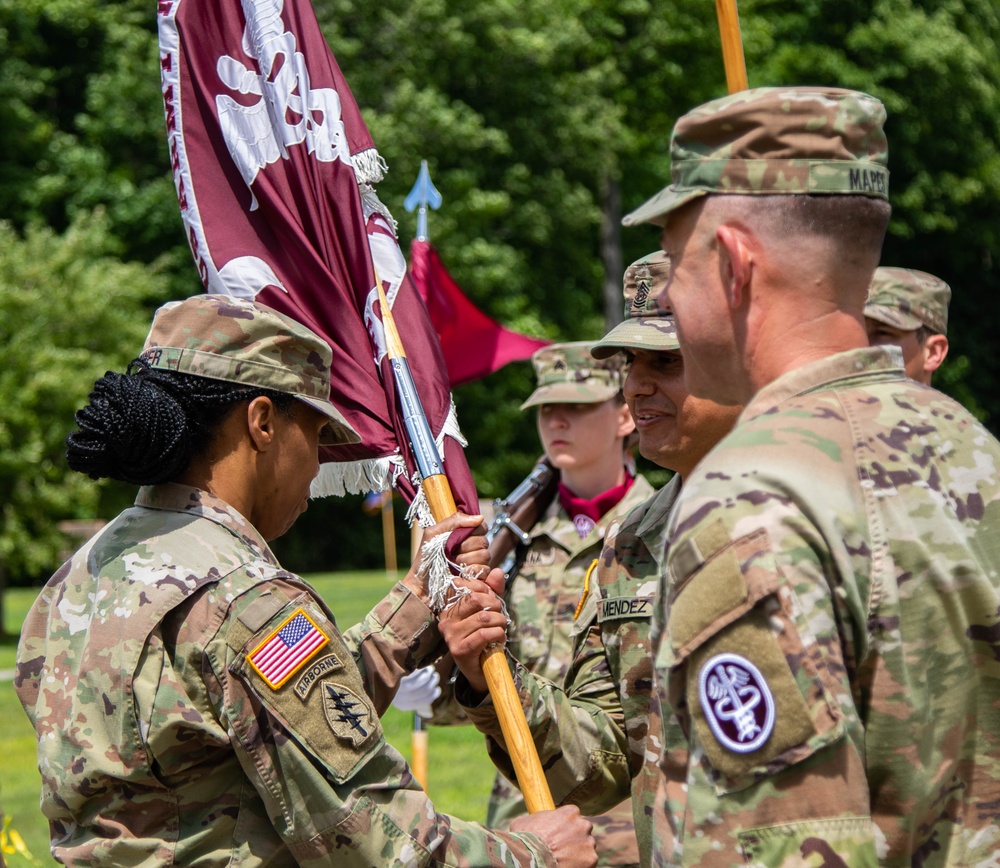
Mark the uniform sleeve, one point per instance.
(398, 636)
(308, 737)
(760, 743)
(578, 731)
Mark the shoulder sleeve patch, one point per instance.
(746, 705)
(298, 666)
(287, 649)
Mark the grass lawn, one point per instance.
(459, 772)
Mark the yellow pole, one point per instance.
(520, 746)
(732, 45)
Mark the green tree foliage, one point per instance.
(936, 66)
(81, 125)
(70, 310)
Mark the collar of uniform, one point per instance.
(558, 526)
(655, 519)
(174, 497)
(844, 370)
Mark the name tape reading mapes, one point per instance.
(869, 180)
(287, 649)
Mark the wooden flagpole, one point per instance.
(520, 746)
(732, 45)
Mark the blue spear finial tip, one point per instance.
(424, 193)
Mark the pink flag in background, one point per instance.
(274, 169)
(474, 345)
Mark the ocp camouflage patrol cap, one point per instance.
(649, 322)
(241, 341)
(569, 374)
(908, 299)
(775, 140)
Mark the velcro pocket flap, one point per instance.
(717, 581)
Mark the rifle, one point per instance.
(518, 513)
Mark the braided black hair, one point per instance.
(146, 425)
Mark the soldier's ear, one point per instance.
(261, 415)
(736, 262)
(935, 349)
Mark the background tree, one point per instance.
(69, 311)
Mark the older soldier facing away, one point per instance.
(196, 704)
(826, 638)
(591, 731)
(909, 309)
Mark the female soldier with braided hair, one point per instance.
(145, 426)
(194, 702)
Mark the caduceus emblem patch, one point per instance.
(737, 702)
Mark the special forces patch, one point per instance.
(737, 702)
(350, 716)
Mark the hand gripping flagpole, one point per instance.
(732, 45)
(530, 777)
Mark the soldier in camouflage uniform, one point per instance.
(582, 423)
(195, 703)
(591, 730)
(909, 309)
(826, 633)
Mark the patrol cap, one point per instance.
(908, 299)
(569, 374)
(649, 322)
(241, 341)
(775, 140)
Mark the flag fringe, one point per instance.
(335, 478)
(369, 166)
(437, 568)
(451, 429)
(369, 169)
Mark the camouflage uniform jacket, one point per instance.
(542, 601)
(826, 643)
(591, 732)
(196, 704)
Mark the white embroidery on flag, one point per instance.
(287, 649)
(290, 111)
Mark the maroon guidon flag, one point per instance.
(473, 343)
(274, 169)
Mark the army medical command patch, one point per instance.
(287, 649)
(737, 702)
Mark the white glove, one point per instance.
(418, 690)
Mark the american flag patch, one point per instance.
(287, 649)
